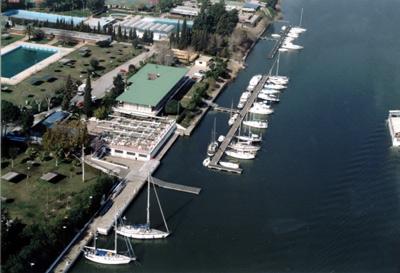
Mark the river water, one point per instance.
(323, 194)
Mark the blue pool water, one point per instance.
(41, 16)
(21, 58)
(53, 118)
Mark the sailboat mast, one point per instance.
(115, 232)
(277, 63)
(301, 17)
(159, 205)
(148, 201)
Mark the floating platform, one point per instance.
(225, 169)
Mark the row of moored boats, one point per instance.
(246, 145)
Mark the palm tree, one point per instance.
(29, 30)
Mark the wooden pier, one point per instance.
(278, 43)
(225, 109)
(176, 187)
(231, 133)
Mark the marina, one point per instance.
(278, 43)
(232, 131)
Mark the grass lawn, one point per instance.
(11, 39)
(43, 41)
(36, 200)
(109, 59)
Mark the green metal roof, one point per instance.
(151, 83)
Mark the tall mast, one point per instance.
(301, 17)
(159, 205)
(148, 201)
(115, 232)
(214, 133)
(277, 63)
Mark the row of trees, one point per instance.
(210, 32)
(67, 5)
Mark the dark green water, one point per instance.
(323, 195)
(20, 59)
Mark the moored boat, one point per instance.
(229, 164)
(256, 124)
(240, 154)
(394, 127)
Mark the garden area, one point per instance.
(7, 39)
(51, 79)
(44, 206)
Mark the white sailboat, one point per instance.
(206, 162)
(244, 146)
(240, 154)
(275, 35)
(275, 86)
(144, 231)
(232, 119)
(221, 138)
(256, 124)
(213, 146)
(251, 137)
(270, 91)
(291, 46)
(108, 256)
(261, 109)
(299, 29)
(229, 164)
(269, 98)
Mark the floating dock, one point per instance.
(231, 133)
(278, 43)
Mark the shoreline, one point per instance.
(215, 94)
(65, 257)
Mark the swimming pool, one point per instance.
(41, 16)
(22, 57)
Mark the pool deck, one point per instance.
(61, 52)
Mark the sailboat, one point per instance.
(299, 29)
(144, 231)
(213, 146)
(108, 256)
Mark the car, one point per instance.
(94, 98)
(202, 72)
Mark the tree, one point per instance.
(94, 63)
(119, 85)
(87, 99)
(95, 5)
(29, 30)
(12, 153)
(101, 112)
(9, 114)
(119, 33)
(68, 93)
(38, 34)
(66, 138)
(26, 120)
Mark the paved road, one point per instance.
(105, 82)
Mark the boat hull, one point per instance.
(107, 257)
(142, 234)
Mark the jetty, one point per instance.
(225, 109)
(231, 133)
(278, 43)
(176, 187)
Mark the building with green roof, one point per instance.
(150, 89)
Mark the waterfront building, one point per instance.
(150, 89)
(132, 137)
(250, 7)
